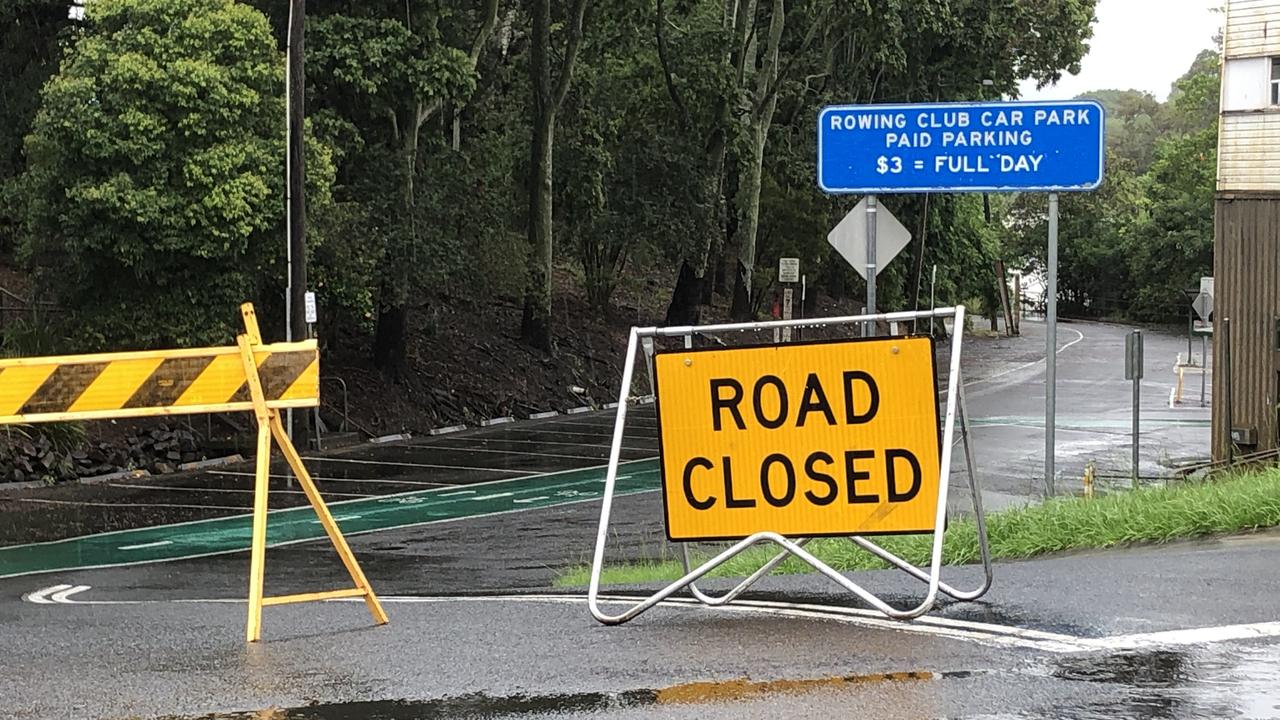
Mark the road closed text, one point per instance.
(818, 439)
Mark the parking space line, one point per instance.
(604, 433)
(608, 422)
(527, 453)
(130, 486)
(507, 471)
(319, 478)
(552, 442)
(44, 501)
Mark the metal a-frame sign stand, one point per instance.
(269, 426)
(795, 546)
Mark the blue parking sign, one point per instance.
(961, 147)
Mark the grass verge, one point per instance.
(1238, 503)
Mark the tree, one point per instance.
(549, 91)
(1172, 244)
(387, 69)
(881, 51)
(155, 184)
(29, 54)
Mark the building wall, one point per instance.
(1249, 152)
(1246, 258)
(1246, 83)
(1249, 133)
(1252, 28)
(1247, 290)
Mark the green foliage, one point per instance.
(1131, 248)
(154, 191)
(1242, 503)
(30, 33)
(154, 194)
(1172, 244)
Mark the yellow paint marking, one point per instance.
(117, 383)
(732, 690)
(19, 383)
(307, 385)
(218, 382)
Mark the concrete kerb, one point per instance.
(446, 430)
(212, 463)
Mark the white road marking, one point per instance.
(551, 442)
(143, 546)
(971, 631)
(532, 499)
(493, 496)
(460, 492)
(343, 518)
(317, 478)
(1024, 366)
(527, 453)
(131, 486)
(62, 597)
(606, 432)
(43, 501)
(1193, 636)
(424, 465)
(40, 597)
(643, 422)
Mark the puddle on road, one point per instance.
(1241, 682)
(1237, 682)
(484, 706)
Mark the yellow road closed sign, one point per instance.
(827, 438)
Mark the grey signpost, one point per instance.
(1048, 147)
(1133, 370)
(1051, 350)
(872, 220)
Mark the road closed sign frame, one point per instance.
(810, 439)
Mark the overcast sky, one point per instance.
(1138, 44)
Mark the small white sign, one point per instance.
(788, 270)
(309, 300)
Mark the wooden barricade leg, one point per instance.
(269, 425)
(258, 551)
(326, 519)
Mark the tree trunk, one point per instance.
(535, 324)
(749, 221)
(389, 338)
(686, 300)
(392, 324)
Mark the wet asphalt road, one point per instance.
(165, 640)
(1087, 636)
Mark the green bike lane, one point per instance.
(218, 536)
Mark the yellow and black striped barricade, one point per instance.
(250, 377)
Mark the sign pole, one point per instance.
(870, 327)
(1133, 362)
(1051, 347)
(933, 289)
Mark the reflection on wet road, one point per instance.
(1239, 682)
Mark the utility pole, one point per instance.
(296, 222)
